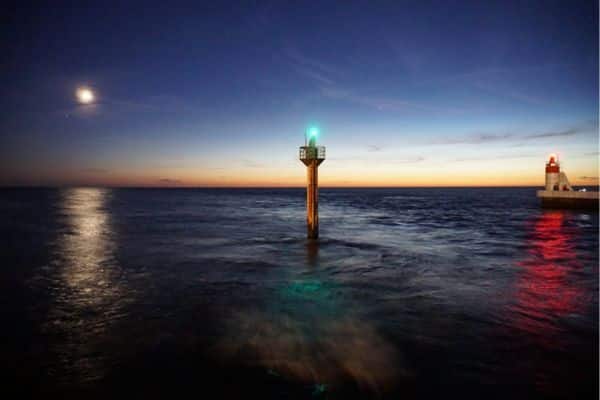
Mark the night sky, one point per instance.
(406, 93)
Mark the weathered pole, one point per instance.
(312, 156)
(312, 200)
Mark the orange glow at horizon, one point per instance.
(292, 173)
(193, 179)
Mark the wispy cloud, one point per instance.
(408, 160)
(499, 157)
(169, 181)
(373, 102)
(310, 67)
(96, 171)
(313, 62)
(385, 160)
(383, 103)
(588, 178)
(314, 75)
(502, 82)
(505, 91)
(473, 139)
(569, 132)
(372, 148)
(489, 138)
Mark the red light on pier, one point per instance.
(545, 290)
(552, 165)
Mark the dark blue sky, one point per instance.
(406, 93)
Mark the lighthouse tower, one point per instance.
(312, 156)
(552, 173)
(558, 192)
(556, 180)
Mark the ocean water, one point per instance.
(408, 293)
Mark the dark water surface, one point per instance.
(408, 293)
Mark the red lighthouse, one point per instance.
(555, 180)
(552, 166)
(558, 191)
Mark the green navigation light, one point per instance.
(311, 134)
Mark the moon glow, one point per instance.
(85, 95)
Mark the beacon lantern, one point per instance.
(312, 156)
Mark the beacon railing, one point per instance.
(312, 152)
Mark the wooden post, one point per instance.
(312, 156)
(312, 199)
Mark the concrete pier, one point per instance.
(568, 199)
(312, 156)
(558, 192)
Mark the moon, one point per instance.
(85, 95)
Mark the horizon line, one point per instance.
(68, 186)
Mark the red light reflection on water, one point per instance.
(544, 291)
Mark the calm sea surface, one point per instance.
(408, 293)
